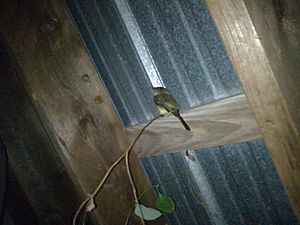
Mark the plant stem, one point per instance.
(133, 186)
(136, 199)
(140, 197)
(102, 182)
(144, 193)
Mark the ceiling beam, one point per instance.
(70, 99)
(222, 122)
(31, 157)
(267, 76)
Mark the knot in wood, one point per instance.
(85, 78)
(98, 99)
(50, 25)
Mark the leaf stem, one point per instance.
(102, 182)
(156, 186)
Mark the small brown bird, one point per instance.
(167, 104)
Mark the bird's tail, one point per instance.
(183, 122)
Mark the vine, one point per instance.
(163, 203)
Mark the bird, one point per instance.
(167, 104)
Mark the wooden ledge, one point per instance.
(223, 122)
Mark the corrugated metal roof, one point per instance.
(231, 184)
(136, 44)
(139, 43)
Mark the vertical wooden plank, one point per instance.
(72, 102)
(262, 90)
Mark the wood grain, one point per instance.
(277, 23)
(222, 122)
(71, 100)
(262, 89)
(32, 158)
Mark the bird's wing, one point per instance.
(170, 105)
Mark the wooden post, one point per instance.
(266, 92)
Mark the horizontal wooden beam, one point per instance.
(222, 122)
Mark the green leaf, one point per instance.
(165, 203)
(146, 212)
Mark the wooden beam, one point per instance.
(263, 89)
(23, 212)
(277, 23)
(72, 102)
(222, 122)
(32, 158)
